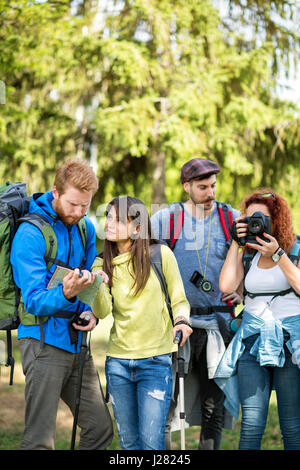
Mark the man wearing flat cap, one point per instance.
(198, 231)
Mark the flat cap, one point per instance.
(198, 168)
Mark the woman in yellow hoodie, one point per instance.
(139, 356)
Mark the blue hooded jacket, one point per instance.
(31, 276)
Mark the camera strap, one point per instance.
(207, 247)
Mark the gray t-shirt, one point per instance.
(196, 235)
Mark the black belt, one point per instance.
(211, 309)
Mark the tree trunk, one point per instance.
(159, 177)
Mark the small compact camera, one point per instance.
(82, 321)
(198, 280)
(258, 223)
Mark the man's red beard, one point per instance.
(66, 219)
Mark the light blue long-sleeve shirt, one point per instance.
(199, 239)
(268, 350)
(32, 276)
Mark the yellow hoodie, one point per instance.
(142, 326)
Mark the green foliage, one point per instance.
(149, 85)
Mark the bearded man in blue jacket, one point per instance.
(49, 339)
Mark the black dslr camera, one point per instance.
(258, 223)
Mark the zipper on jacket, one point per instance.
(70, 243)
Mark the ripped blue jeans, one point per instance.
(140, 391)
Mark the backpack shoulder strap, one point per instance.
(156, 263)
(48, 233)
(176, 223)
(247, 260)
(83, 232)
(226, 219)
(177, 216)
(294, 255)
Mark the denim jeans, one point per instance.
(255, 386)
(140, 392)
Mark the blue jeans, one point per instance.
(140, 392)
(255, 386)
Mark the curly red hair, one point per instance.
(281, 216)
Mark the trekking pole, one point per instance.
(180, 360)
(81, 359)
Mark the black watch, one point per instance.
(277, 255)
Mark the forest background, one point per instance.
(138, 87)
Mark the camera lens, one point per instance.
(255, 226)
(206, 286)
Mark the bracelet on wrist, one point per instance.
(182, 322)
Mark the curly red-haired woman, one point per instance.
(263, 353)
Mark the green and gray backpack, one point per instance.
(14, 206)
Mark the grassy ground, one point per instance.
(12, 409)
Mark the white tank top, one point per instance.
(269, 280)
